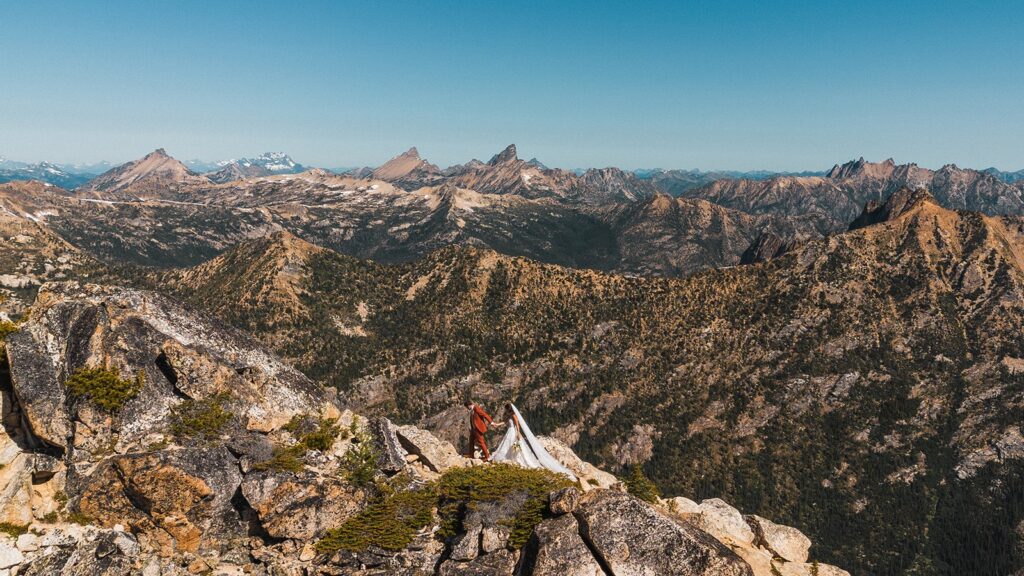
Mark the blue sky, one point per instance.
(725, 84)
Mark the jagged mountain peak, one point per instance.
(266, 164)
(407, 168)
(862, 168)
(505, 156)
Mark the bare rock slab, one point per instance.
(631, 537)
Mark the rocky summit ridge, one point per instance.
(140, 437)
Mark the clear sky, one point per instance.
(780, 85)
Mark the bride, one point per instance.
(520, 446)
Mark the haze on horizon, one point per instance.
(714, 85)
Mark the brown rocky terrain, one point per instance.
(141, 438)
(863, 387)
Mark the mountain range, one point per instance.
(859, 379)
(829, 202)
(605, 219)
(44, 172)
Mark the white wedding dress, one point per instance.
(525, 450)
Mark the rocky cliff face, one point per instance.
(141, 438)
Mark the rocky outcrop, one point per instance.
(172, 352)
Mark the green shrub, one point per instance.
(104, 388)
(13, 530)
(360, 461)
(289, 458)
(79, 518)
(461, 488)
(284, 459)
(389, 522)
(294, 424)
(323, 437)
(200, 419)
(640, 485)
(6, 328)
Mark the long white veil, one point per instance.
(543, 458)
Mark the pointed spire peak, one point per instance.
(506, 155)
(159, 152)
(862, 168)
(411, 153)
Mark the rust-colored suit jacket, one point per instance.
(479, 419)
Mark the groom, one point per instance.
(478, 421)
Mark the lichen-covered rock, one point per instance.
(494, 538)
(500, 563)
(631, 537)
(391, 455)
(9, 556)
(420, 558)
(556, 549)
(467, 545)
(785, 542)
(300, 506)
(564, 501)
(829, 570)
(179, 499)
(97, 553)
